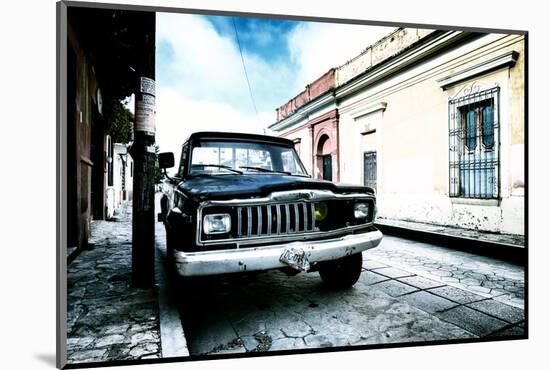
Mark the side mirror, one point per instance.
(166, 160)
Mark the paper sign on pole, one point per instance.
(145, 106)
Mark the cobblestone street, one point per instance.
(408, 292)
(107, 319)
(485, 276)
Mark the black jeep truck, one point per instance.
(243, 202)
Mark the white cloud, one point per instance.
(316, 47)
(259, 32)
(206, 89)
(129, 103)
(204, 64)
(202, 86)
(207, 65)
(178, 117)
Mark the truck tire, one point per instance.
(170, 247)
(343, 272)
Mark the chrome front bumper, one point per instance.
(267, 257)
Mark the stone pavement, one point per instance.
(409, 292)
(273, 312)
(107, 319)
(401, 297)
(508, 240)
(484, 276)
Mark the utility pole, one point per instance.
(143, 153)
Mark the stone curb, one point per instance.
(504, 251)
(172, 336)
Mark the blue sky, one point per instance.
(201, 83)
(262, 36)
(262, 39)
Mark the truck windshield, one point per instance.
(223, 157)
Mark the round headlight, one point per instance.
(361, 210)
(321, 211)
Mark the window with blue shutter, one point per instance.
(488, 135)
(474, 162)
(471, 129)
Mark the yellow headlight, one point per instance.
(321, 211)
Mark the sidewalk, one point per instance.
(503, 245)
(107, 319)
(483, 276)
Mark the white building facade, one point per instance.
(434, 121)
(120, 177)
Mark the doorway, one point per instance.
(72, 211)
(323, 159)
(369, 169)
(327, 167)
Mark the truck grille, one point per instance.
(275, 219)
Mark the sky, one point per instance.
(201, 83)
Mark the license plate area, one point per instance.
(295, 258)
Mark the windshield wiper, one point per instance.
(265, 170)
(218, 166)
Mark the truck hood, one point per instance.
(258, 185)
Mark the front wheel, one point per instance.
(343, 272)
(170, 248)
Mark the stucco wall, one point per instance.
(388, 46)
(311, 91)
(404, 118)
(304, 135)
(79, 123)
(411, 140)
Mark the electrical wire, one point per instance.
(245, 72)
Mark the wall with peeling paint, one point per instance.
(411, 138)
(81, 129)
(404, 117)
(385, 48)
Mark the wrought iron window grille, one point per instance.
(474, 143)
(369, 169)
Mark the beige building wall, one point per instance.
(304, 148)
(302, 131)
(405, 120)
(389, 45)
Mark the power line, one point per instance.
(245, 73)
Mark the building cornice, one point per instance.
(381, 106)
(414, 55)
(408, 57)
(506, 60)
(332, 114)
(303, 111)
